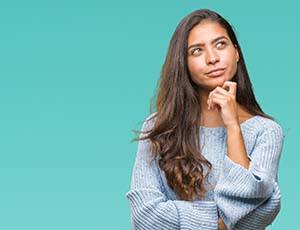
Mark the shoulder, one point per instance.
(151, 116)
(262, 130)
(149, 121)
(265, 125)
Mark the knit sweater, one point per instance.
(246, 199)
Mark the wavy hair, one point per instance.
(174, 136)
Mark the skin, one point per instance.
(201, 59)
(218, 94)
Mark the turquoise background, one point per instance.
(78, 76)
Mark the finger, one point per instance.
(218, 95)
(219, 101)
(222, 93)
(210, 104)
(213, 104)
(231, 85)
(219, 90)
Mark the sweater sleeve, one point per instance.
(263, 215)
(239, 191)
(151, 209)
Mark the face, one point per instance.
(209, 48)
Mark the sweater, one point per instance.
(246, 199)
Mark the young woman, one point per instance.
(208, 157)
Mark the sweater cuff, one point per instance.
(239, 191)
(203, 215)
(150, 207)
(247, 183)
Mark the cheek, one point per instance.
(228, 57)
(230, 63)
(195, 67)
(233, 67)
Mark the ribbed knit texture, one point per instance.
(246, 199)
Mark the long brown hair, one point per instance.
(175, 134)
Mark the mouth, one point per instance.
(216, 72)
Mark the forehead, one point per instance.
(206, 31)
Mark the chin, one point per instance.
(212, 83)
(218, 81)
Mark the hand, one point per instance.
(221, 225)
(225, 102)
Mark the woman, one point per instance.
(208, 157)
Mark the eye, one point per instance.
(223, 44)
(197, 49)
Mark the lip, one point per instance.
(216, 72)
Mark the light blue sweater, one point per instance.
(244, 198)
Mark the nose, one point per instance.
(212, 57)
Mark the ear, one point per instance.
(237, 56)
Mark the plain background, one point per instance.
(78, 76)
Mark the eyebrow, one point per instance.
(213, 41)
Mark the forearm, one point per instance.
(244, 189)
(221, 225)
(236, 150)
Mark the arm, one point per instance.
(221, 225)
(150, 208)
(236, 147)
(262, 216)
(241, 190)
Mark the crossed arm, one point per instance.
(252, 193)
